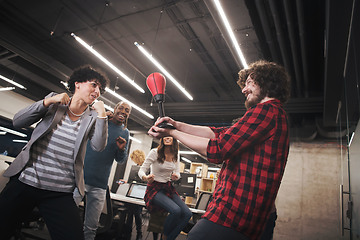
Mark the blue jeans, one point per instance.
(95, 199)
(179, 214)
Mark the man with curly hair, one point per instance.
(253, 153)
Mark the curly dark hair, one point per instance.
(88, 73)
(161, 150)
(272, 78)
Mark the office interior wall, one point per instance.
(308, 200)
(11, 103)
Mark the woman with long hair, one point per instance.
(160, 193)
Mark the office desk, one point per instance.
(6, 158)
(123, 198)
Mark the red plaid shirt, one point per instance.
(254, 153)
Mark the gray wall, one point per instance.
(308, 199)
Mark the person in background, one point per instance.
(160, 193)
(134, 210)
(253, 152)
(50, 166)
(98, 165)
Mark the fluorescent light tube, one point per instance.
(12, 82)
(188, 152)
(20, 141)
(231, 33)
(163, 70)
(104, 60)
(6, 89)
(108, 90)
(12, 132)
(134, 139)
(186, 160)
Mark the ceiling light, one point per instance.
(134, 139)
(108, 90)
(186, 160)
(6, 89)
(20, 141)
(163, 70)
(352, 136)
(188, 152)
(13, 132)
(12, 82)
(231, 33)
(2, 133)
(213, 168)
(104, 60)
(65, 84)
(109, 108)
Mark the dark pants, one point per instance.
(58, 210)
(134, 211)
(207, 230)
(269, 227)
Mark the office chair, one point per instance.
(202, 203)
(156, 223)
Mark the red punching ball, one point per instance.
(156, 83)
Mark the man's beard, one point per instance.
(255, 100)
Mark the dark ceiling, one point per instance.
(313, 39)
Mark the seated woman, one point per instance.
(160, 193)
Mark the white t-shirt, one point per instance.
(161, 171)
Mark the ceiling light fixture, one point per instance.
(20, 141)
(6, 89)
(231, 33)
(134, 139)
(188, 152)
(163, 70)
(12, 82)
(2, 133)
(108, 108)
(108, 90)
(186, 160)
(104, 60)
(13, 132)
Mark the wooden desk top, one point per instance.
(6, 158)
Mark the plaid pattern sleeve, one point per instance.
(254, 153)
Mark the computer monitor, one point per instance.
(185, 186)
(136, 190)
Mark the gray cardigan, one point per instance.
(92, 128)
